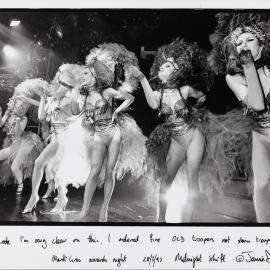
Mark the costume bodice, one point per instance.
(59, 109)
(167, 109)
(173, 106)
(10, 125)
(100, 109)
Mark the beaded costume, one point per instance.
(27, 147)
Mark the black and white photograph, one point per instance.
(134, 116)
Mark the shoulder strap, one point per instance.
(184, 100)
(161, 99)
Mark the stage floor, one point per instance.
(128, 204)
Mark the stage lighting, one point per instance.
(9, 51)
(14, 22)
(58, 29)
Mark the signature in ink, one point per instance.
(247, 256)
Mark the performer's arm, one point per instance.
(75, 108)
(252, 93)
(150, 96)
(4, 118)
(128, 99)
(194, 93)
(29, 100)
(20, 126)
(42, 109)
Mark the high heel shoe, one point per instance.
(103, 217)
(31, 205)
(19, 189)
(60, 206)
(81, 215)
(49, 192)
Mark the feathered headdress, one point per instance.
(70, 74)
(111, 63)
(190, 62)
(28, 88)
(229, 27)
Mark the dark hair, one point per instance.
(104, 76)
(191, 62)
(119, 75)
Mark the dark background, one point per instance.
(80, 30)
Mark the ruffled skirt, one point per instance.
(24, 151)
(227, 150)
(75, 150)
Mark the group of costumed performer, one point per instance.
(105, 143)
(20, 147)
(54, 109)
(242, 50)
(179, 72)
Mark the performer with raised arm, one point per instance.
(179, 72)
(21, 147)
(242, 47)
(118, 145)
(45, 132)
(56, 111)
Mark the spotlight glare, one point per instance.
(59, 33)
(14, 22)
(9, 51)
(58, 29)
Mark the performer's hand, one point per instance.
(134, 71)
(47, 138)
(8, 111)
(245, 57)
(84, 90)
(200, 101)
(114, 116)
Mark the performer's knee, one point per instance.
(15, 170)
(110, 175)
(95, 171)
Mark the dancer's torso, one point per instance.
(100, 110)
(98, 107)
(57, 113)
(10, 125)
(174, 111)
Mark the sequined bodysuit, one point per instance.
(101, 114)
(9, 127)
(177, 117)
(58, 111)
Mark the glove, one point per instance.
(84, 90)
(245, 57)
